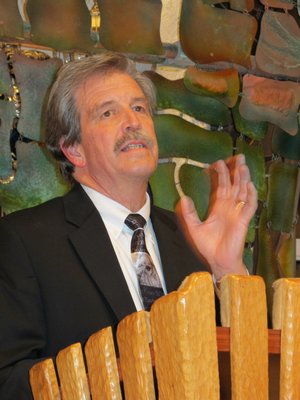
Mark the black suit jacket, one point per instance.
(60, 281)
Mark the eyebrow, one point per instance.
(93, 112)
(142, 99)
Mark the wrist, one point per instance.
(220, 271)
(237, 271)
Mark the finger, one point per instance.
(251, 204)
(190, 221)
(233, 163)
(240, 159)
(234, 166)
(221, 180)
(240, 187)
(248, 207)
(236, 181)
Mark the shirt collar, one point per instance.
(114, 213)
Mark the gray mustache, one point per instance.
(133, 136)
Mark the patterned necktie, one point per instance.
(149, 282)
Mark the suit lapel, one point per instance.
(94, 248)
(172, 247)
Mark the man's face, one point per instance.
(118, 138)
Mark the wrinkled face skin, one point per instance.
(118, 143)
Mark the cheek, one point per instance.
(100, 143)
(151, 132)
(156, 150)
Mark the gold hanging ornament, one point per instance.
(95, 22)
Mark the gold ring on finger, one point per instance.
(240, 205)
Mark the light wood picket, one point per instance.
(244, 310)
(286, 311)
(174, 348)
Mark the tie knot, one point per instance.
(135, 221)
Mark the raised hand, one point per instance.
(220, 239)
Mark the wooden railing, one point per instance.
(173, 352)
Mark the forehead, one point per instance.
(109, 84)
(99, 91)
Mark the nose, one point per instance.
(131, 120)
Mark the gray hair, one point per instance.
(63, 116)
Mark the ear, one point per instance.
(74, 153)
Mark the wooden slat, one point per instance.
(43, 381)
(183, 357)
(102, 366)
(244, 309)
(286, 317)
(133, 336)
(274, 340)
(184, 341)
(223, 339)
(72, 373)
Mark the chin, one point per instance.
(142, 171)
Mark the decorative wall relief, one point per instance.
(208, 34)
(285, 145)
(27, 172)
(180, 138)
(223, 85)
(278, 48)
(11, 24)
(61, 25)
(273, 101)
(174, 95)
(7, 115)
(131, 26)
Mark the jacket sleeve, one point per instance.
(22, 332)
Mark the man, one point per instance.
(65, 266)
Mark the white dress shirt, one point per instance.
(114, 215)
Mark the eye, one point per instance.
(107, 114)
(139, 108)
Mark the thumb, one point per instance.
(187, 212)
(189, 221)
